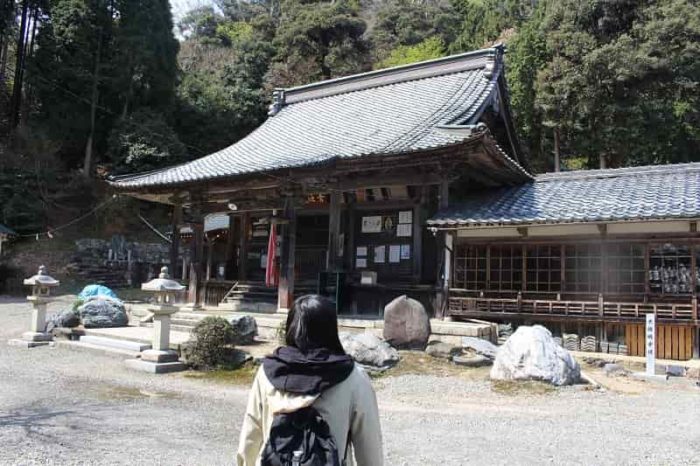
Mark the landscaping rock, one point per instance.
(406, 323)
(531, 354)
(471, 360)
(369, 350)
(612, 369)
(64, 319)
(438, 349)
(675, 371)
(245, 329)
(480, 346)
(101, 312)
(693, 373)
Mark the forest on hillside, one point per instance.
(89, 87)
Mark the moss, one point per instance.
(533, 387)
(242, 375)
(418, 362)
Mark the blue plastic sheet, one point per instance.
(96, 290)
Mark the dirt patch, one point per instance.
(420, 363)
(527, 387)
(243, 375)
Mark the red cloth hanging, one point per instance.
(271, 264)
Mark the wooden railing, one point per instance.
(460, 305)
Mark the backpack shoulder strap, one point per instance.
(344, 461)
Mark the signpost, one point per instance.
(651, 344)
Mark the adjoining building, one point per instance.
(585, 252)
(411, 180)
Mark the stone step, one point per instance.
(114, 343)
(173, 327)
(97, 349)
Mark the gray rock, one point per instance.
(480, 346)
(612, 369)
(471, 361)
(531, 354)
(675, 371)
(369, 350)
(406, 323)
(438, 349)
(101, 312)
(245, 328)
(64, 319)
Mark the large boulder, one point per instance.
(406, 323)
(101, 311)
(245, 329)
(480, 346)
(369, 350)
(531, 354)
(96, 290)
(64, 319)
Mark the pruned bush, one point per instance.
(211, 344)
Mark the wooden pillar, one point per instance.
(696, 343)
(210, 253)
(230, 247)
(442, 296)
(417, 232)
(333, 232)
(175, 238)
(243, 251)
(194, 295)
(285, 290)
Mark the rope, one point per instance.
(50, 231)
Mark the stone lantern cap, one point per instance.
(162, 283)
(41, 279)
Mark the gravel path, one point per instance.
(59, 406)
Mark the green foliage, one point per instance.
(484, 21)
(211, 343)
(405, 54)
(318, 40)
(144, 141)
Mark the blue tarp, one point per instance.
(96, 290)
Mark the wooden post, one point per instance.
(417, 232)
(285, 290)
(442, 295)
(333, 232)
(175, 238)
(230, 247)
(210, 251)
(194, 295)
(243, 252)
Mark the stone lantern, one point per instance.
(41, 284)
(160, 358)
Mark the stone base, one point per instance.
(649, 377)
(155, 367)
(152, 355)
(36, 336)
(27, 344)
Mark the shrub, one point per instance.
(211, 344)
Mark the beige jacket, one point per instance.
(350, 406)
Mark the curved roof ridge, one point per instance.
(613, 172)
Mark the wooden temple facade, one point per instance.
(411, 181)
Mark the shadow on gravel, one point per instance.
(30, 420)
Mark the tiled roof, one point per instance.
(637, 193)
(390, 111)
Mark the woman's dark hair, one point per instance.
(312, 323)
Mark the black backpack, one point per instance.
(300, 438)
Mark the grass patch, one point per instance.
(242, 375)
(526, 387)
(420, 363)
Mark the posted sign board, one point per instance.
(651, 344)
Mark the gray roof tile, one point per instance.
(653, 192)
(387, 112)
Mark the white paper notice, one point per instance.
(394, 253)
(361, 251)
(406, 216)
(372, 224)
(361, 262)
(404, 229)
(405, 251)
(379, 254)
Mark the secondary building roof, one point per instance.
(406, 109)
(637, 193)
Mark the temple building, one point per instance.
(411, 180)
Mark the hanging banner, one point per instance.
(651, 344)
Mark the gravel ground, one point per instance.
(59, 406)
